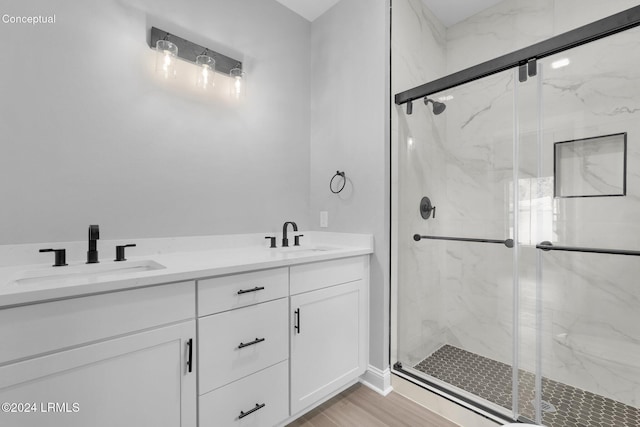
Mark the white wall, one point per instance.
(89, 134)
(349, 132)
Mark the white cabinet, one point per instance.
(244, 349)
(224, 293)
(259, 400)
(136, 380)
(271, 343)
(329, 332)
(237, 343)
(117, 359)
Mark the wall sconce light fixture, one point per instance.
(166, 57)
(169, 47)
(205, 71)
(238, 86)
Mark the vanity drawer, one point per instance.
(225, 406)
(238, 290)
(318, 275)
(224, 355)
(31, 330)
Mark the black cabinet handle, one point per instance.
(190, 355)
(254, 342)
(251, 411)
(246, 291)
(296, 326)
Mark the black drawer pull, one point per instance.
(251, 411)
(296, 325)
(246, 291)
(190, 355)
(256, 341)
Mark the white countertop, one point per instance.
(183, 259)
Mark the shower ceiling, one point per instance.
(448, 11)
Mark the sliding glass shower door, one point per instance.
(456, 297)
(583, 213)
(518, 280)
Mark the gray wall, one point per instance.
(89, 134)
(349, 132)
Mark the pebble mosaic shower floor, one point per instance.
(564, 406)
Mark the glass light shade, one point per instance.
(166, 57)
(206, 67)
(239, 83)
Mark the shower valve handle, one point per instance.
(427, 209)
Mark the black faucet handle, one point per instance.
(120, 251)
(296, 239)
(60, 256)
(94, 232)
(273, 241)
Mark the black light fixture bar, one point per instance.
(188, 50)
(548, 246)
(596, 30)
(508, 242)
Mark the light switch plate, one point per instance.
(324, 219)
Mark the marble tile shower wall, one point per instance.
(591, 302)
(461, 294)
(418, 44)
(514, 24)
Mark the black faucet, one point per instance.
(92, 253)
(285, 241)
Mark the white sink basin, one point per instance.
(306, 249)
(86, 272)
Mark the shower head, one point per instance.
(438, 107)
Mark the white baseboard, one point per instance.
(377, 380)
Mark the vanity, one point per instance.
(246, 335)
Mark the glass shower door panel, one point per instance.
(589, 303)
(455, 299)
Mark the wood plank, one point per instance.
(361, 406)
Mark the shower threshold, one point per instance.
(563, 405)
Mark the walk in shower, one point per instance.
(517, 231)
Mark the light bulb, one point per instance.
(238, 87)
(205, 72)
(166, 56)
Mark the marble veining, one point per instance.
(587, 306)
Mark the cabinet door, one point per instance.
(328, 341)
(136, 380)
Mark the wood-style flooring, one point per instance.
(359, 406)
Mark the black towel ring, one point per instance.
(344, 181)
